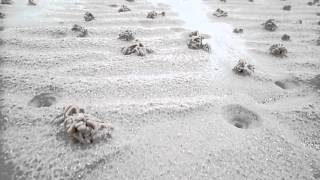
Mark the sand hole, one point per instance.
(240, 123)
(43, 100)
(241, 117)
(58, 34)
(315, 82)
(113, 5)
(287, 83)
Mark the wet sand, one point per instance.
(178, 113)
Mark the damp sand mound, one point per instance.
(238, 30)
(81, 31)
(243, 68)
(270, 25)
(285, 37)
(154, 14)
(127, 35)
(136, 48)
(88, 16)
(84, 128)
(220, 13)
(196, 42)
(124, 8)
(278, 50)
(287, 8)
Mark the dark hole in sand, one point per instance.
(58, 34)
(280, 84)
(240, 117)
(287, 83)
(315, 82)
(1, 42)
(43, 100)
(113, 5)
(240, 123)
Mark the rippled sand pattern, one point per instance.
(177, 113)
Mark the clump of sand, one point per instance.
(270, 25)
(196, 42)
(285, 37)
(88, 16)
(243, 68)
(136, 48)
(124, 8)
(154, 14)
(238, 30)
(278, 50)
(220, 13)
(287, 8)
(84, 128)
(82, 32)
(127, 35)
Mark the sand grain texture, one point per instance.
(175, 116)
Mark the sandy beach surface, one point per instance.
(177, 113)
